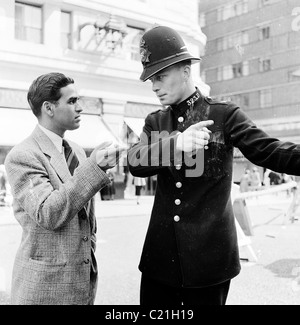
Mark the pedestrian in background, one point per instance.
(191, 252)
(139, 184)
(53, 186)
(255, 179)
(275, 178)
(266, 178)
(3, 182)
(245, 181)
(108, 192)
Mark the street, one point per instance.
(273, 280)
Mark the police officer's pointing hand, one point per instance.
(195, 137)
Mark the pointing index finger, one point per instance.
(203, 124)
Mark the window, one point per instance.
(237, 70)
(264, 33)
(245, 37)
(232, 10)
(238, 7)
(229, 41)
(233, 40)
(241, 100)
(233, 71)
(245, 100)
(236, 99)
(28, 22)
(227, 72)
(245, 6)
(240, 69)
(246, 68)
(265, 98)
(220, 44)
(220, 14)
(66, 30)
(264, 65)
(228, 12)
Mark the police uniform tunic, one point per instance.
(191, 239)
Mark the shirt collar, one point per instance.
(56, 139)
(181, 108)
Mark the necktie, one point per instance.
(71, 158)
(73, 162)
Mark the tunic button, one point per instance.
(179, 185)
(177, 202)
(180, 119)
(176, 218)
(85, 238)
(87, 261)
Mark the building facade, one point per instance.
(253, 59)
(96, 42)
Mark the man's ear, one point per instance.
(187, 72)
(48, 108)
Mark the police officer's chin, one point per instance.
(163, 100)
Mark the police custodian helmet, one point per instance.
(161, 47)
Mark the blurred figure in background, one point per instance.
(266, 179)
(255, 179)
(245, 181)
(108, 192)
(275, 178)
(3, 183)
(139, 183)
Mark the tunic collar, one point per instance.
(188, 103)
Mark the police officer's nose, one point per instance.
(155, 87)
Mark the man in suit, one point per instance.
(190, 253)
(54, 200)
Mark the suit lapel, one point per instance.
(57, 160)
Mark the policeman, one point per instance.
(190, 252)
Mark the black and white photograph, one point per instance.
(150, 155)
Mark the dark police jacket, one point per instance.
(191, 239)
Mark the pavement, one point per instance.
(273, 278)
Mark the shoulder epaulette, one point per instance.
(163, 109)
(214, 101)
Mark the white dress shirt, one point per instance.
(56, 139)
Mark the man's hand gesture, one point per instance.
(107, 155)
(194, 138)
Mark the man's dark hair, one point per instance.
(46, 88)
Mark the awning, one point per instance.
(17, 124)
(136, 124)
(92, 132)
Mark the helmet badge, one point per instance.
(144, 51)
